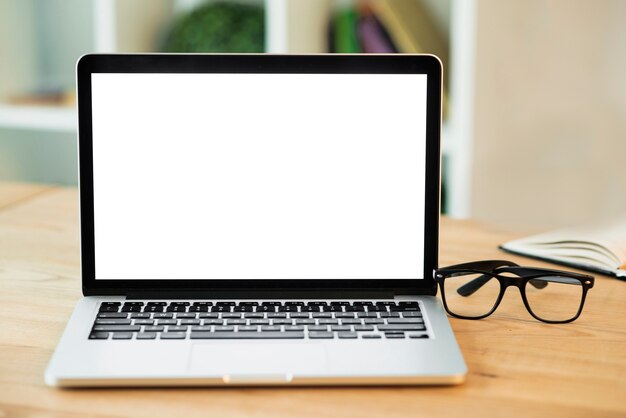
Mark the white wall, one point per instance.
(550, 128)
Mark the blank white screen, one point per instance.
(259, 176)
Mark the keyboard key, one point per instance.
(112, 321)
(223, 328)
(118, 315)
(131, 308)
(225, 304)
(221, 308)
(246, 335)
(340, 328)
(256, 315)
(418, 335)
(367, 315)
(148, 309)
(122, 335)
(394, 335)
(167, 322)
(370, 336)
(180, 303)
(351, 321)
(317, 328)
(300, 315)
(156, 304)
(198, 308)
(208, 315)
(175, 328)
(326, 321)
(247, 328)
(163, 316)
(405, 321)
(98, 335)
(402, 327)
(244, 308)
(305, 321)
(344, 315)
(259, 322)
(294, 328)
(116, 328)
(404, 308)
(140, 316)
(173, 335)
(205, 303)
(201, 328)
(213, 322)
(276, 315)
(280, 321)
(411, 314)
(370, 321)
(270, 328)
(347, 334)
(339, 303)
(235, 322)
(146, 336)
(144, 322)
(321, 315)
(190, 322)
(109, 308)
(185, 315)
(233, 315)
(389, 315)
(156, 328)
(320, 334)
(176, 308)
(364, 328)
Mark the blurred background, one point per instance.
(534, 131)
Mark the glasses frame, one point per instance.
(494, 269)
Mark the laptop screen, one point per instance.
(258, 176)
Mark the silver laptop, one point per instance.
(258, 220)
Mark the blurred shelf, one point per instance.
(56, 119)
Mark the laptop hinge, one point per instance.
(257, 294)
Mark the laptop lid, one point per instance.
(251, 175)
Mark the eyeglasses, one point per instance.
(474, 290)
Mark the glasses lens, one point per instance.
(554, 298)
(471, 294)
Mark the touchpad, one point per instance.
(249, 359)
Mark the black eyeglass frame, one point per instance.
(492, 268)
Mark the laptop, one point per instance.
(258, 220)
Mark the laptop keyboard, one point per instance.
(177, 320)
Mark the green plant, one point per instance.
(218, 27)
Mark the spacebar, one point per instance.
(245, 335)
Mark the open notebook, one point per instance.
(599, 248)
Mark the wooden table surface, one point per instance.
(517, 366)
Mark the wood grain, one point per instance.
(518, 366)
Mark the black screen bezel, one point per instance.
(259, 63)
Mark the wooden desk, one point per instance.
(517, 366)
